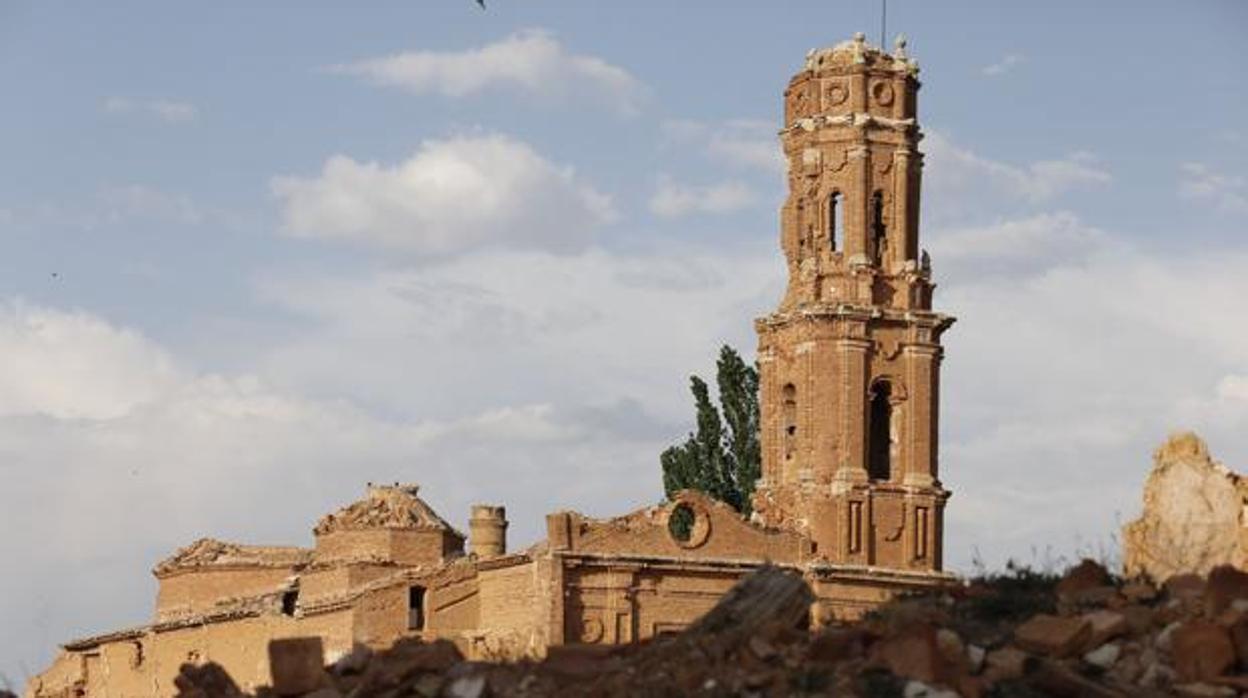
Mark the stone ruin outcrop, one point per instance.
(1195, 514)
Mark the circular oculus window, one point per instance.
(688, 524)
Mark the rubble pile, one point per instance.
(1021, 634)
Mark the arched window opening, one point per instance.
(416, 608)
(834, 218)
(879, 235)
(790, 420)
(879, 461)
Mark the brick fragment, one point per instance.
(1201, 651)
(1054, 636)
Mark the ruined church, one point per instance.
(850, 494)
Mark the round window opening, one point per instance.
(689, 525)
(680, 523)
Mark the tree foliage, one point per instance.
(722, 456)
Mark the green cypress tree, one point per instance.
(722, 456)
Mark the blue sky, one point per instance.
(254, 256)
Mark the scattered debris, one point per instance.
(1018, 634)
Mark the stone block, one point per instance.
(913, 653)
(1087, 575)
(1224, 587)
(1054, 636)
(1005, 663)
(1105, 626)
(1201, 651)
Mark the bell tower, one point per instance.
(850, 361)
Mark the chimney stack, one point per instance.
(487, 530)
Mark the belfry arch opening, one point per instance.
(879, 235)
(835, 217)
(880, 446)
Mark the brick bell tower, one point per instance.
(850, 361)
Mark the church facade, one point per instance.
(849, 495)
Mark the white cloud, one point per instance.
(582, 327)
(1200, 182)
(1017, 246)
(72, 365)
(1074, 355)
(1007, 63)
(164, 109)
(532, 61)
(451, 195)
(672, 199)
(958, 177)
(742, 143)
(113, 454)
(500, 374)
(1060, 381)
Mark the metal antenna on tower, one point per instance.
(883, 22)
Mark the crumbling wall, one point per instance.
(201, 590)
(510, 619)
(146, 664)
(1195, 514)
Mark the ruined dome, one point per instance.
(386, 507)
(209, 552)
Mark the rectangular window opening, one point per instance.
(290, 601)
(416, 608)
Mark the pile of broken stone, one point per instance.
(1021, 633)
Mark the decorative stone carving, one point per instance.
(882, 93)
(592, 630)
(834, 94)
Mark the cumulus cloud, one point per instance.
(1007, 63)
(46, 369)
(105, 436)
(1200, 182)
(451, 195)
(582, 327)
(1022, 246)
(170, 111)
(1059, 383)
(1074, 355)
(532, 61)
(742, 143)
(953, 172)
(672, 199)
